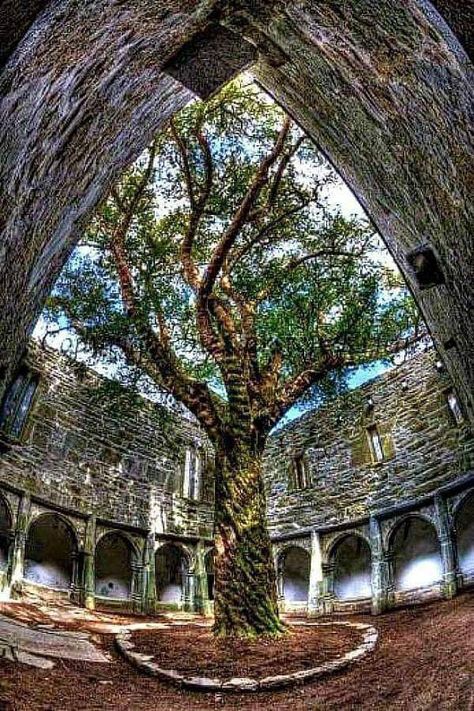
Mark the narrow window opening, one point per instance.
(17, 403)
(454, 407)
(300, 473)
(375, 444)
(192, 474)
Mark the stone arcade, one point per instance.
(116, 511)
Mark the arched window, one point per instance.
(171, 565)
(17, 403)
(416, 555)
(465, 537)
(50, 549)
(113, 566)
(192, 473)
(352, 568)
(295, 570)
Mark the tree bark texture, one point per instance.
(245, 595)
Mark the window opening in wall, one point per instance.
(300, 473)
(192, 474)
(17, 403)
(376, 448)
(454, 407)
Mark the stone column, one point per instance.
(278, 560)
(448, 550)
(75, 588)
(327, 588)
(202, 603)
(149, 585)
(136, 591)
(88, 572)
(19, 543)
(188, 594)
(380, 569)
(315, 575)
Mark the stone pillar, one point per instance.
(188, 594)
(326, 604)
(448, 550)
(75, 588)
(137, 591)
(202, 604)
(88, 572)
(19, 543)
(149, 585)
(380, 569)
(279, 558)
(315, 575)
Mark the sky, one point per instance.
(338, 196)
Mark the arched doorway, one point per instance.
(5, 533)
(416, 554)
(465, 537)
(113, 567)
(352, 568)
(51, 548)
(295, 568)
(171, 566)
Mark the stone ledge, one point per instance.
(142, 662)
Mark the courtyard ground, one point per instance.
(424, 660)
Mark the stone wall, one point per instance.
(112, 474)
(80, 452)
(424, 449)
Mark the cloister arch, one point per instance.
(351, 558)
(5, 532)
(114, 554)
(416, 556)
(464, 526)
(172, 563)
(379, 86)
(294, 565)
(51, 552)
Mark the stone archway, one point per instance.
(416, 555)
(379, 86)
(171, 567)
(464, 526)
(351, 557)
(51, 550)
(294, 569)
(113, 566)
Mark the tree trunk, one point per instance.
(245, 596)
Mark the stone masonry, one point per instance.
(114, 474)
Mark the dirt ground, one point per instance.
(195, 652)
(424, 661)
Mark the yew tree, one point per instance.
(217, 268)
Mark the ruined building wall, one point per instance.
(81, 452)
(352, 528)
(423, 449)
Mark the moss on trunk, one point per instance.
(245, 597)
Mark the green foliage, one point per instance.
(315, 279)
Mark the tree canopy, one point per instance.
(219, 242)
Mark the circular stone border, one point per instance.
(240, 684)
